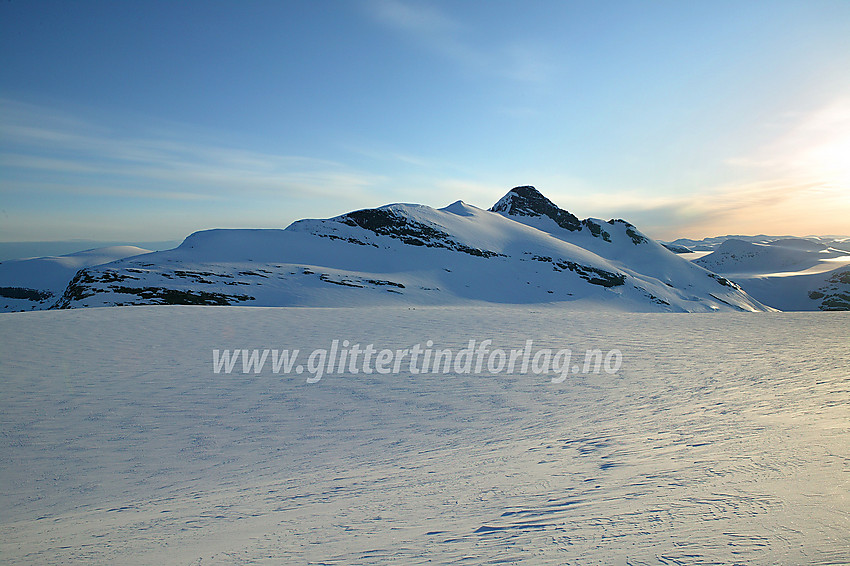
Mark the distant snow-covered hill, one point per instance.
(523, 250)
(787, 274)
(36, 283)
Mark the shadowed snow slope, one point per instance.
(525, 250)
(722, 439)
(787, 274)
(36, 283)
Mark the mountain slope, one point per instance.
(618, 241)
(36, 283)
(416, 255)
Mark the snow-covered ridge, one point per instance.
(524, 250)
(36, 283)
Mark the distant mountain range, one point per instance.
(523, 250)
(788, 273)
(685, 245)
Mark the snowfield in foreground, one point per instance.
(723, 438)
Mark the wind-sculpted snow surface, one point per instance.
(722, 439)
(416, 255)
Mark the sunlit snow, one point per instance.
(722, 439)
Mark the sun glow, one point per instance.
(832, 160)
(820, 146)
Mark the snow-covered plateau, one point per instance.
(721, 439)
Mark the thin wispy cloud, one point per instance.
(526, 61)
(111, 191)
(264, 114)
(389, 155)
(441, 33)
(421, 19)
(38, 147)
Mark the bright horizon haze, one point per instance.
(143, 121)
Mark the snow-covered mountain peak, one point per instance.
(528, 206)
(528, 201)
(461, 208)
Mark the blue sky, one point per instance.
(149, 120)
